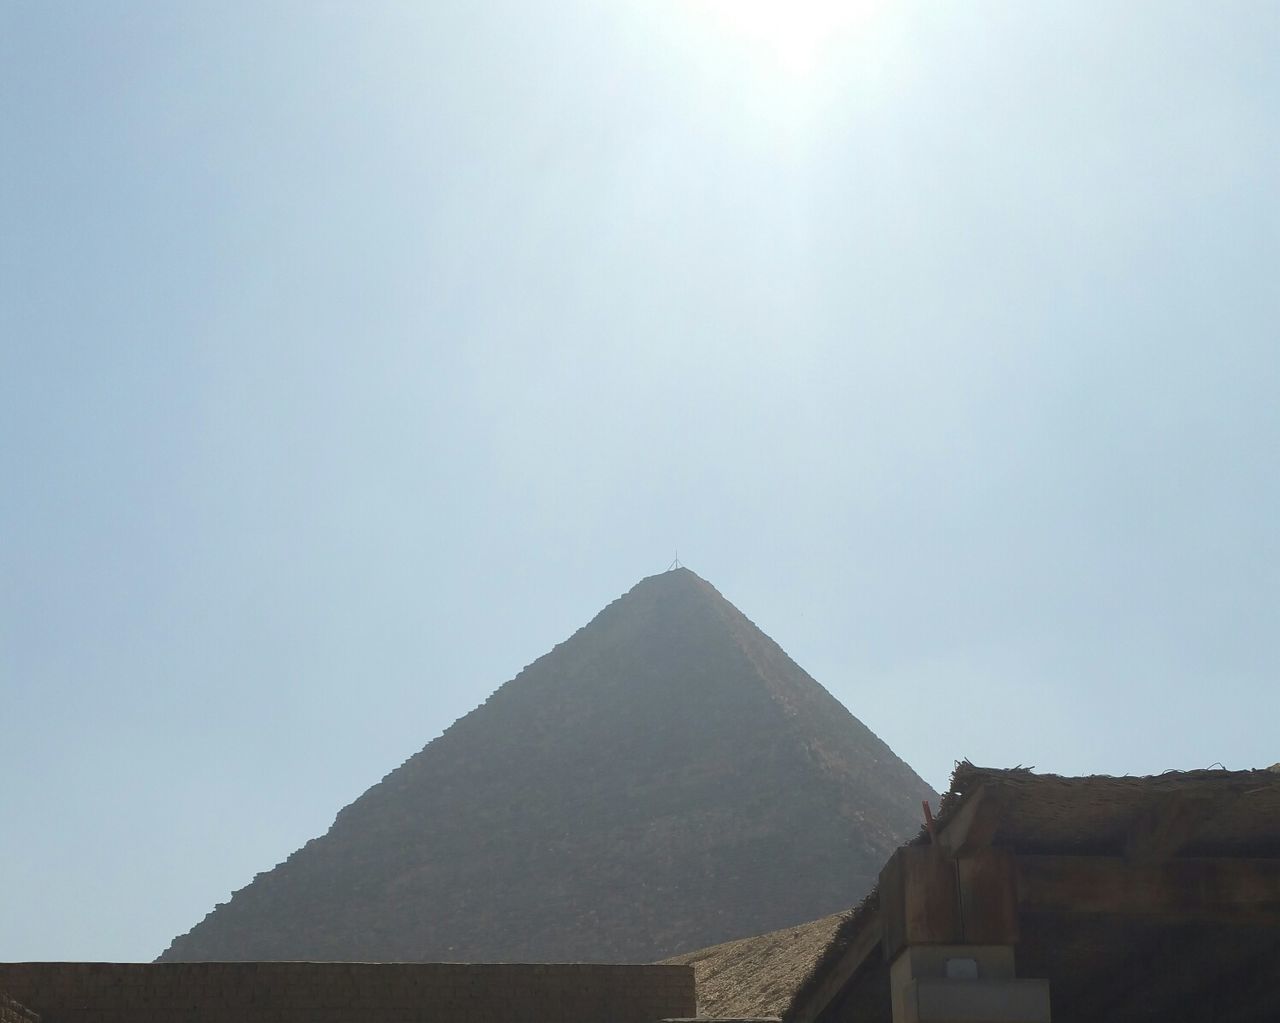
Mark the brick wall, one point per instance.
(342, 992)
(12, 1012)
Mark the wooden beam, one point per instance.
(988, 898)
(973, 826)
(860, 951)
(928, 898)
(919, 899)
(1225, 890)
(1168, 822)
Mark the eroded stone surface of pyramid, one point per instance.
(665, 779)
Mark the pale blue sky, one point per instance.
(354, 354)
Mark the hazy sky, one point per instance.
(354, 354)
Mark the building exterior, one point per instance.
(1034, 897)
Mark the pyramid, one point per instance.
(665, 779)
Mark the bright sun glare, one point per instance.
(793, 33)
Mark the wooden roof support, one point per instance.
(973, 826)
(860, 950)
(1170, 821)
(988, 898)
(928, 898)
(919, 900)
(1225, 890)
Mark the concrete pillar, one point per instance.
(964, 984)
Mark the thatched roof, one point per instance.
(759, 976)
(789, 973)
(1092, 815)
(13, 1012)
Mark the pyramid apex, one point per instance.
(674, 576)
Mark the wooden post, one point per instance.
(949, 926)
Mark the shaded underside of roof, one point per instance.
(1119, 969)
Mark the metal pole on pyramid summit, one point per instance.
(675, 564)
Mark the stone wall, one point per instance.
(12, 1012)
(340, 992)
